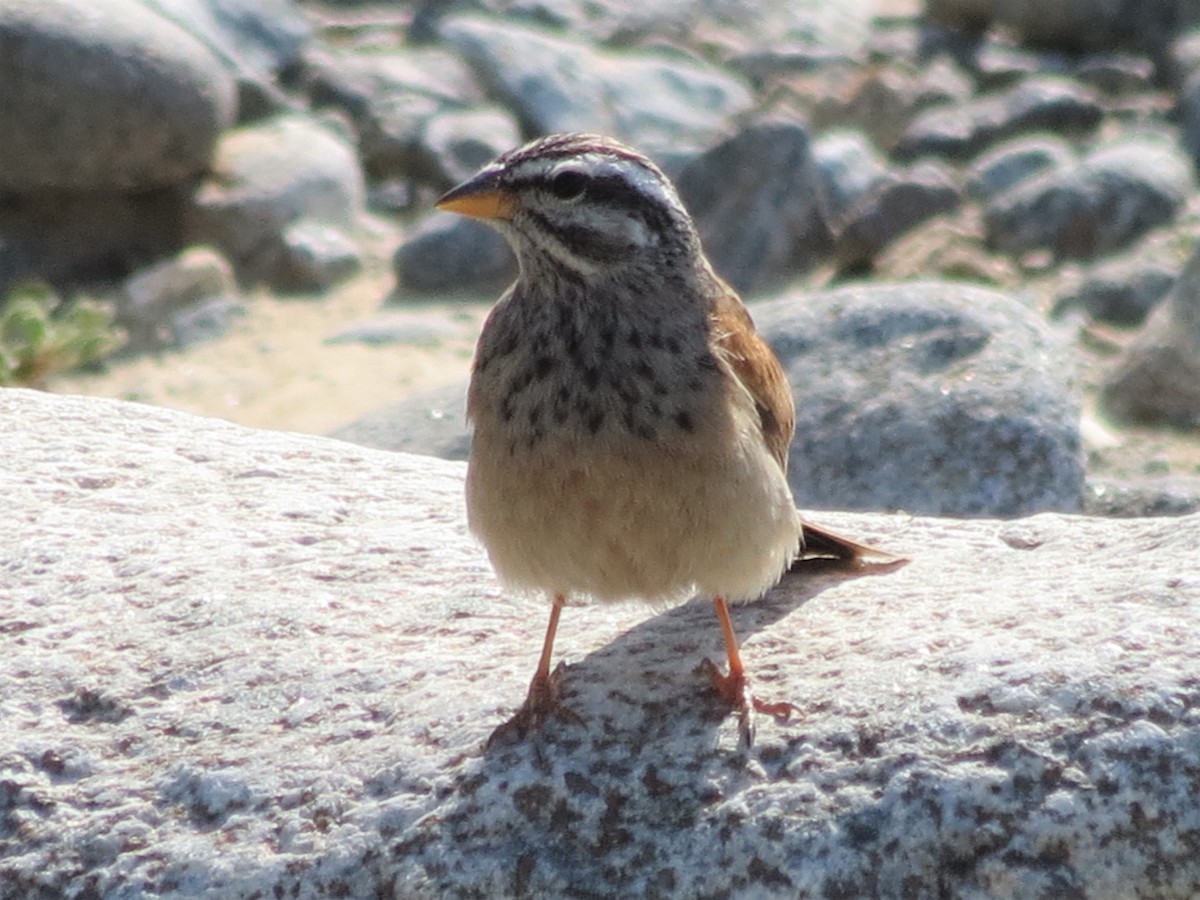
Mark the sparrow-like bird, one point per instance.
(631, 427)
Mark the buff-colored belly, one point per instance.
(636, 521)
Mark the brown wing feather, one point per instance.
(823, 544)
(756, 367)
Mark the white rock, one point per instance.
(238, 663)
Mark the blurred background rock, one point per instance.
(237, 195)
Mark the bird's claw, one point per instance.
(734, 690)
(543, 702)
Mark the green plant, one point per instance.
(40, 334)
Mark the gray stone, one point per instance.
(841, 28)
(943, 81)
(251, 664)
(850, 168)
(206, 321)
(394, 196)
(969, 15)
(431, 423)
(451, 254)
(457, 143)
(315, 256)
(756, 202)
(1183, 58)
(1124, 290)
(109, 96)
(1074, 25)
(1157, 379)
(759, 25)
(880, 101)
(899, 38)
(962, 131)
(157, 305)
(69, 237)
(267, 177)
(897, 204)
(935, 398)
(1126, 498)
(1008, 164)
(1117, 74)
(1112, 196)
(390, 96)
(999, 61)
(256, 40)
(395, 327)
(656, 100)
(110, 112)
(1188, 111)
(763, 66)
(263, 35)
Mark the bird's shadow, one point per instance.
(647, 687)
(653, 749)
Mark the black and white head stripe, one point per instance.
(557, 147)
(589, 201)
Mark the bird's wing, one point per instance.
(823, 544)
(754, 364)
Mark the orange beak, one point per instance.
(480, 198)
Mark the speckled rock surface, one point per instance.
(241, 664)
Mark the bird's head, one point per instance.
(581, 204)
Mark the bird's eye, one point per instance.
(568, 184)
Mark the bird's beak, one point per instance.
(480, 198)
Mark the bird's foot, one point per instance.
(543, 702)
(734, 690)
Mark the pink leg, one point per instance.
(542, 702)
(734, 688)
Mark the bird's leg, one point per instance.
(542, 701)
(734, 688)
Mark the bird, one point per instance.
(631, 428)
